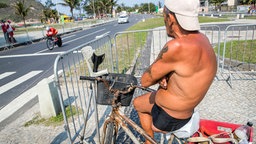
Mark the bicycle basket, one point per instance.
(120, 82)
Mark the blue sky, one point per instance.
(66, 10)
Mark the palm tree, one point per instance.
(93, 7)
(72, 4)
(21, 10)
(111, 5)
(102, 6)
(49, 13)
(217, 3)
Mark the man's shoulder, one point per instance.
(174, 44)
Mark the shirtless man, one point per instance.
(184, 70)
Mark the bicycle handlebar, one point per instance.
(87, 78)
(102, 79)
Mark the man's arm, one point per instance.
(163, 65)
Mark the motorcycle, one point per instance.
(51, 42)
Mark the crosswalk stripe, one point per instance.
(6, 74)
(18, 81)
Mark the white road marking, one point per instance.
(6, 74)
(77, 52)
(41, 51)
(100, 36)
(18, 81)
(27, 55)
(73, 40)
(68, 36)
(85, 35)
(17, 103)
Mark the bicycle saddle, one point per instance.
(187, 130)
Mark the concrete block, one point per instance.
(48, 98)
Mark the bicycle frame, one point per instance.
(120, 119)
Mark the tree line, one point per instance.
(93, 8)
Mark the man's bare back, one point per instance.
(197, 64)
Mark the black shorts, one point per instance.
(165, 122)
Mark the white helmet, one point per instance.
(47, 28)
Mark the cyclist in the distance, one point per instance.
(51, 32)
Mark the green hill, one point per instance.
(7, 11)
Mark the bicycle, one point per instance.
(117, 90)
(50, 42)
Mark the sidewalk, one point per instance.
(222, 103)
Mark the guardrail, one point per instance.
(78, 97)
(238, 52)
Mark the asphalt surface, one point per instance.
(222, 103)
(24, 66)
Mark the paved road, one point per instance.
(23, 67)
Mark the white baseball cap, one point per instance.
(186, 12)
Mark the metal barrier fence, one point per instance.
(238, 53)
(129, 45)
(77, 97)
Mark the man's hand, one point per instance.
(163, 82)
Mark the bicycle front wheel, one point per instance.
(50, 43)
(110, 135)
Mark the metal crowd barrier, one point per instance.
(130, 44)
(238, 61)
(77, 98)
